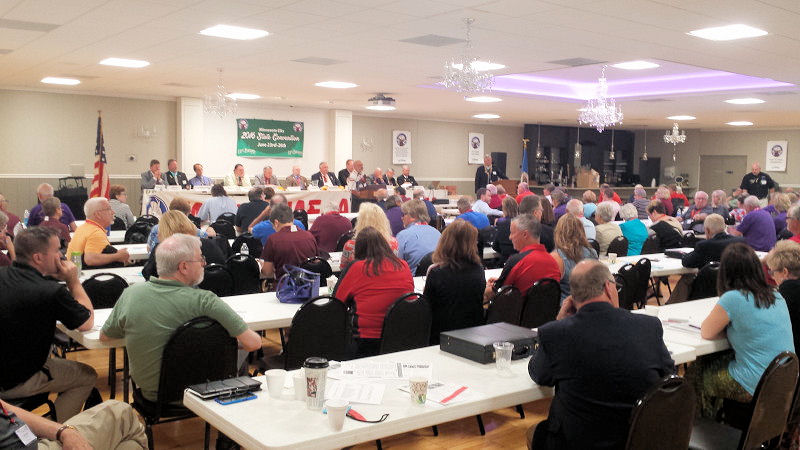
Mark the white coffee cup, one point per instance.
(299, 379)
(275, 380)
(612, 258)
(336, 409)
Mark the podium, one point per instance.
(509, 185)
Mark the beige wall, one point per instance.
(21, 191)
(438, 149)
(750, 143)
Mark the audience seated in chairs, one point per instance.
(784, 266)
(258, 200)
(373, 282)
(606, 229)
(329, 226)
(286, 246)
(757, 227)
(455, 282)
(666, 228)
(394, 213)
(32, 301)
(532, 263)
(176, 222)
(43, 192)
(584, 354)
(502, 242)
(477, 219)
(633, 229)
(539, 208)
(91, 239)
(419, 194)
(418, 238)
(571, 248)
(369, 215)
(755, 320)
(6, 242)
(218, 204)
(575, 208)
(262, 228)
(117, 198)
(148, 313)
(182, 205)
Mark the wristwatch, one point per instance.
(61, 430)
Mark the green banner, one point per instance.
(272, 138)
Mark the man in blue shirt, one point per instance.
(264, 229)
(479, 220)
(199, 179)
(418, 238)
(419, 194)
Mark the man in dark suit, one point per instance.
(174, 177)
(600, 358)
(388, 177)
(710, 249)
(406, 177)
(344, 174)
(323, 177)
(487, 173)
(152, 177)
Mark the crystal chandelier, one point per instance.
(601, 112)
(675, 137)
(461, 74)
(219, 103)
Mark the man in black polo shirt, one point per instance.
(31, 301)
(247, 212)
(757, 183)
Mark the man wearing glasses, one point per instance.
(600, 358)
(148, 313)
(91, 240)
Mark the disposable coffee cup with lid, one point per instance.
(316, 371)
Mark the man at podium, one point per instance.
(487, 173)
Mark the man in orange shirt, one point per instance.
(91, 240)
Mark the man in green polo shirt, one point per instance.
(147, 314)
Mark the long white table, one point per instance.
(336, 258)
(692, 312)
(292, 425)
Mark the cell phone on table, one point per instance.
(235, 398)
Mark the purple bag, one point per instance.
(297, 285)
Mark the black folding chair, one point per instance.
(629, 277)
(184, 362)
(424, 263)
(651, 245)
(138, 232)
(254, 246)
(152, 220)
(346, 236)
(407, 324)
(595, 245)
(618, 245)
(217, 279)
(769, 410)
(246, 274)
(224, 228)
(302, 216)
(689, 239)
(662, 418)
(318, 265)
(227, 217)
(705, 283)
(643, 267)
(222, 243)
(118, 225)
(506, 306)
(542, 303)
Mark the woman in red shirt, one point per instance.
(373, 282)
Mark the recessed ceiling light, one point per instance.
(58, 80)
(482, 66)
(122, 62)
(636, 65)
(728, 32)
(681, 117)
(241, 96)
(744, 101)
(483, 99)
(335, 84)
(740, 123)
(234, 32)
(486, 116)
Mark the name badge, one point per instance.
(494, 172)
(763, 181)
(25, 435)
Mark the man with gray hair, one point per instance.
(288, 245)
(388, 177)
(267, 178)
(531, 264)
(477, 219)
(693, 217)
(330, 226)
(559, 202)
(522, 191)
(575, 207)
(417, 239)
(36, 214)
(710, 249)
(295, 179)
(793, 223)
(90, 239)
(640, 201)
(757, 227)
(148, 313)
(324, 177)
(606, 229)
(380, 197)
(585, 353)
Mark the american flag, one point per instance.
(100, 184)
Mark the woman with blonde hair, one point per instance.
(663, 196)
(455, 282)
(783, 262)
(176, 222)
(369, 215)
(572, 247)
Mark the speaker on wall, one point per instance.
(499, 160)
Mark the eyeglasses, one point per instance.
(201, 260)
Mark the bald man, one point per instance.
(757, 183)
(43, 192)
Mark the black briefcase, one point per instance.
(476, 343)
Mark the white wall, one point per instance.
(218, 152)
(750, 143)
(438, 149)
(43, 133)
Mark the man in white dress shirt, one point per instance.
(238, 178)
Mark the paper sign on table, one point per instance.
(386, 370)
(355, 391)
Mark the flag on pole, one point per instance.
(100, 184)
(524, 166)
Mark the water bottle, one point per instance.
(25, 217)
(244, 249)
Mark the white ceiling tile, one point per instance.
(323, 8)
(419, 8)
(51, 11)
(17, 38)
(516, 8)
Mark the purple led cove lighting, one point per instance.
(684, 83)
